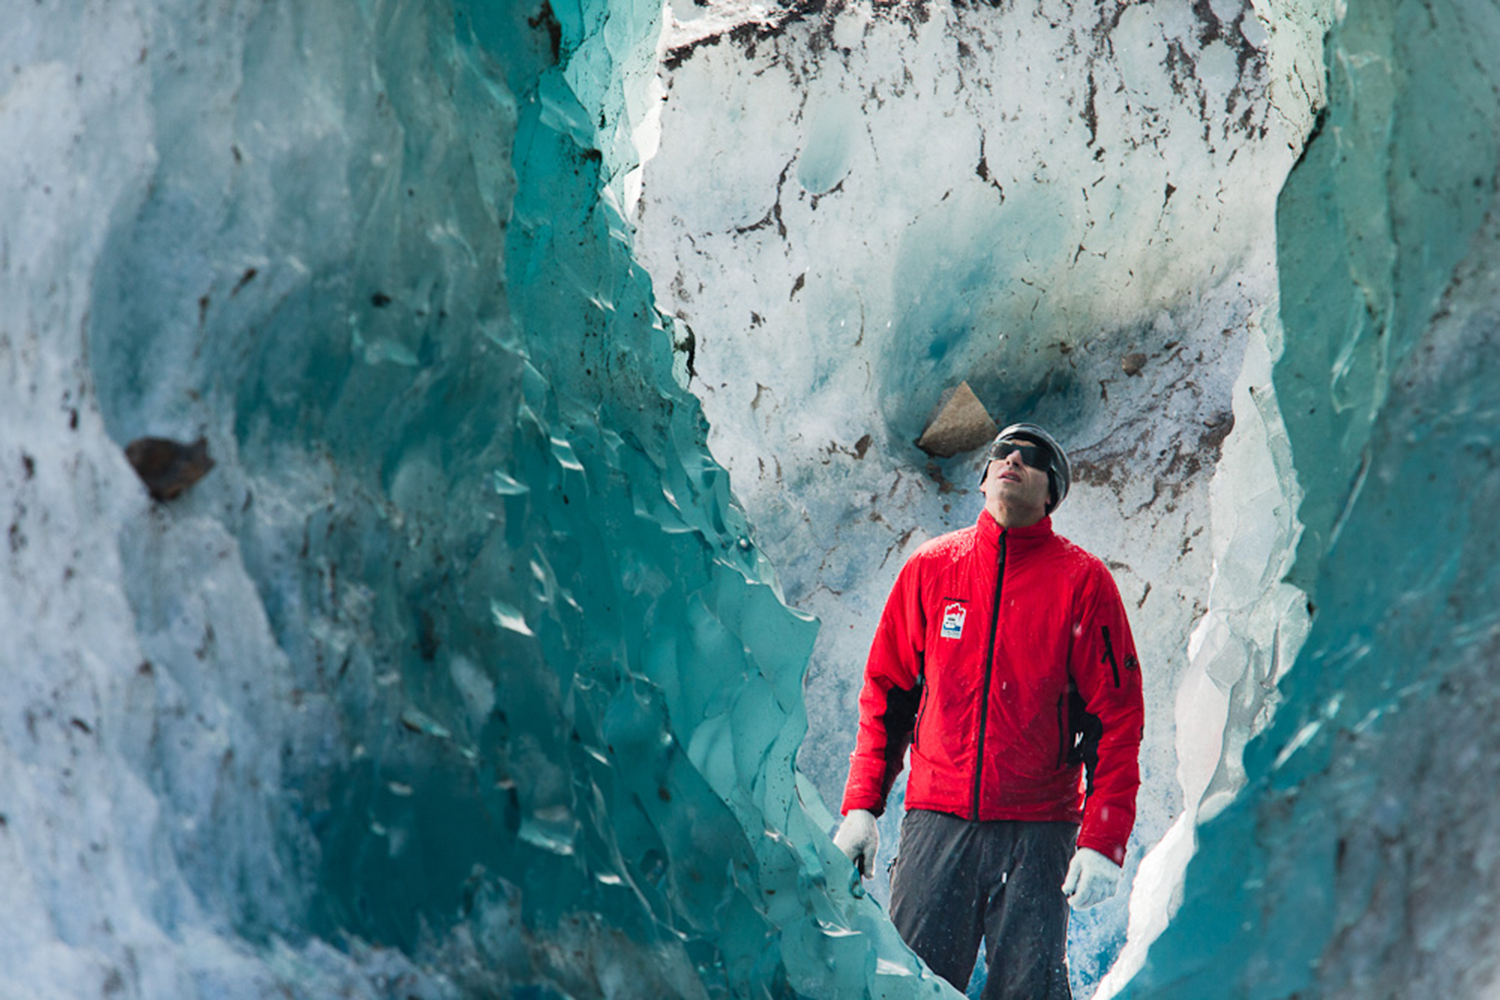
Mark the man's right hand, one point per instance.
(858, 838)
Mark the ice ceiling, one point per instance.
(554, 494)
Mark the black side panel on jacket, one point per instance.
(900, 722)
(1086, 729)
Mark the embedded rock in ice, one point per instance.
(958, 423)
(168, 468)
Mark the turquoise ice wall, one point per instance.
(558, 694)
(1359, 861)
(1373, 223)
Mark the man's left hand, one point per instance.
(1092, 878)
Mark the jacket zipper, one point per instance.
(989, 667)
(1109, 654)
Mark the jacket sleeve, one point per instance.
(1107, 675)
(888, 701)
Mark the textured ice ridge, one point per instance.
(460, 673)
(1360, 860)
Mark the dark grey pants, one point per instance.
(958, 881)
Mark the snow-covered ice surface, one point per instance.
(463, 673)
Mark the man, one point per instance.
(1004, 661)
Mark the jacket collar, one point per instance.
(989, 532)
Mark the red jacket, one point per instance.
(1004, 694)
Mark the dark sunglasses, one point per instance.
(1033, 455)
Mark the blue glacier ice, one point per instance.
(1360, 860)
(461, 673)
(561, 362)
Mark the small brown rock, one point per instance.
(1133, 363)
(168, 467)
(959, 423)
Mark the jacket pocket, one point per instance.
(916, 729)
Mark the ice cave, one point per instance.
(556, 370)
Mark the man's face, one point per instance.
(1012, 486)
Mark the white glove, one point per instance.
(858, 838)
(1092, 878)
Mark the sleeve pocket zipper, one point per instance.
(1109, 654)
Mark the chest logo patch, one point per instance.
(953, 620)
